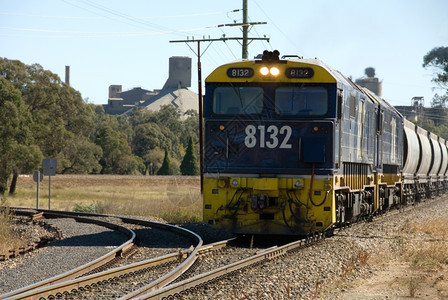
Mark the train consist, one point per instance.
(291, 146)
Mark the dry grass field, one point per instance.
(173, 198)
(416, 269)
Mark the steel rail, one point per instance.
(175, 273)
(179, 288)
(79, 271)
(61, 283)
(67, 286)
(62, 288)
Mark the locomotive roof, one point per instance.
(332, 76)
(326, 75)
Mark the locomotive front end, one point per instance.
(269, 150)
(281, 206)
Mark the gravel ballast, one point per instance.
(80, 244)
(323, 270)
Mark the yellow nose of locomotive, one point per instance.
(245, 205)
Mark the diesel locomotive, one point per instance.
(293, 147)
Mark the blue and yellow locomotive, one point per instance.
(292, 146)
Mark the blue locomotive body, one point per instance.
(294, 147)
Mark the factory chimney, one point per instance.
(67, 75)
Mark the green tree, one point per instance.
(139, 115)
(440, 101)
(80, 156)
(169, 117)
(442, 131)
(154, 131)
(190, 128)
(189, 163)
(26, 159)
(154, 158)
(148, 137)
(17, 149)
(57, 118)
(117, 155)
(438, 58)
(57, 110)
(165, 169)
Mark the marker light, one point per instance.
(264, 71)
(298, 184)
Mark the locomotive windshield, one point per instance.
(238, 100)
(293, 100)
(288, 100)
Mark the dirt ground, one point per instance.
(399, 280)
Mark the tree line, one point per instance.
(435, 118)
(42, 117)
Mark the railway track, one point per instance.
(190, 287)
(71, 280)
(183, 287)
(116, 252)
(192, 283)
(73, 288)
(189, 281)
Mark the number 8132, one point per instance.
(271, 137)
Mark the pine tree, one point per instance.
(188, 165)
(165, 169)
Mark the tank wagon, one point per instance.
(292, 147)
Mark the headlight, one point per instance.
(235, 182)
(298, 184)
(264, 71)
(274, 71)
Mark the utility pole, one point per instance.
(198, 54)
(201, 135)
(245, 30)
(245, 41)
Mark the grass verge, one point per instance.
(176, 199)
(429, 249)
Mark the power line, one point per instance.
(107, 13)
(112, 18)
(132, 21)
(277, 27)
(92, 34)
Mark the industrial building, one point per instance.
(174, 92)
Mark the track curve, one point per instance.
(66, 282)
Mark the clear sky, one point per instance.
(128, 42)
